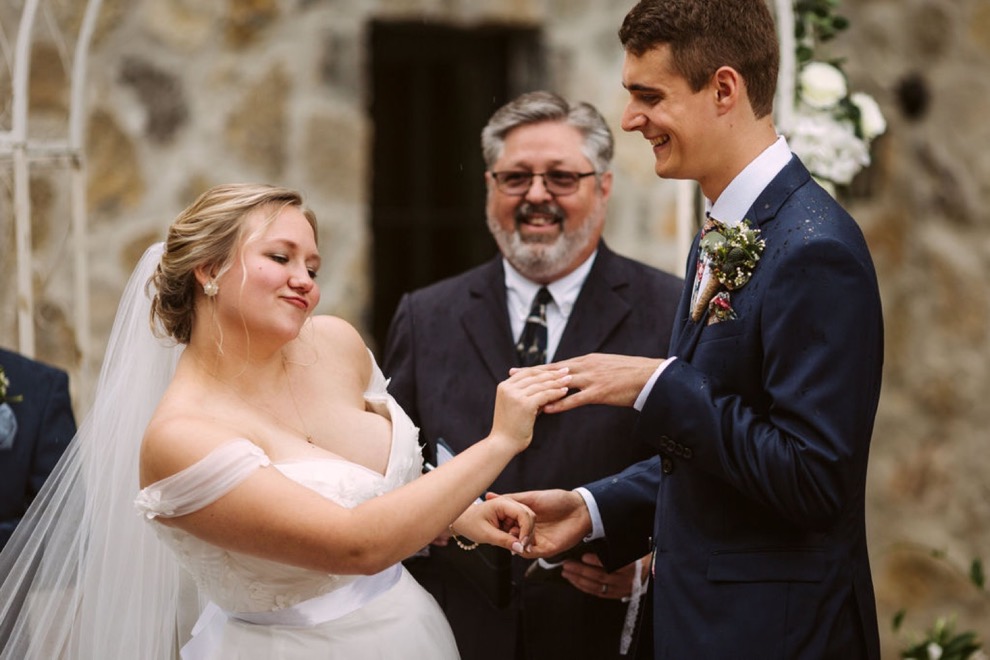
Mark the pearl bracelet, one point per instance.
(461, 544)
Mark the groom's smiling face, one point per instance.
(545, 235)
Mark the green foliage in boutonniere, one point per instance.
(4, 384)
(732, 252)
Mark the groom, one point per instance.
(762, 414)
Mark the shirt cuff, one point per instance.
(597, 528)
(644, 394)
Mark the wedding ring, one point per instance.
(604, 589)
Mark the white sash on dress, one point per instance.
(207, 634)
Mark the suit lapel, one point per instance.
(764, 209)
(486, 320)
(598, 309)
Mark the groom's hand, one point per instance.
(603, 378)
(562, 521)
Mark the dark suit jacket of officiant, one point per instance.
(761, 430)
(45, 425)
(449, 346)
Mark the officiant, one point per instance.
(555, 291)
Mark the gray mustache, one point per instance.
(527, 210)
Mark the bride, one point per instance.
(275, 469)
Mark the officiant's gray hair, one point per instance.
(542, 106)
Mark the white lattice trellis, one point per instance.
(23, 149)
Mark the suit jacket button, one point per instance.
(688, 453)
(667, 465)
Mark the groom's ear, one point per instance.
(727, 85)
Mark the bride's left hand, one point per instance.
(499, 521)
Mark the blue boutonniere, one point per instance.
(8, 423)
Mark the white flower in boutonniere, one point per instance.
(8, 424)
(731, 253)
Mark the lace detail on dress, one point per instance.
(202, 483)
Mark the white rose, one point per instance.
(828, 147)
(871, 121)
(934, 651)
(822, 85)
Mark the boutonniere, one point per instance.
(8, 423)
(4, 384)
(731, 254)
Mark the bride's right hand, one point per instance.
(521, 397)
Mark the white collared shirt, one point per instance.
(520, 292)
(741, 193)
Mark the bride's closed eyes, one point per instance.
(282, 259)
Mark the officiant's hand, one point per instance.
(562, 520)
(588, 575)
(499, 521)
(603, 378)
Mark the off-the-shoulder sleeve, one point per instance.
(378, 385)
(203, 482)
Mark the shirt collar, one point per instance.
(741, 193)
(565, 291)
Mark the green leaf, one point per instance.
(712, 241)
(898, 619)
(976, 573)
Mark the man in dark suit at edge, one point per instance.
(449, 344)
(36, 425)
(761, 417)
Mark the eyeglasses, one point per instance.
(518, 182)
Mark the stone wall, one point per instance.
(183, 94)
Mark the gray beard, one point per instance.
(540, 259)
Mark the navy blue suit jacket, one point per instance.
(762, 427)
(45, 425)
(449, 346)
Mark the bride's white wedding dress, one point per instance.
(262, 609)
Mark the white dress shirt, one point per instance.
(520, 292)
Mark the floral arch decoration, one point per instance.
(826, 124)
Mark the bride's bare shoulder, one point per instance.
(337, 331)
(341, 343)
(180, 434)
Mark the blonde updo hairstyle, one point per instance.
(207, 235)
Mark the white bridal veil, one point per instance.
(84, 576)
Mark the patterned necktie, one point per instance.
(532, 345)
